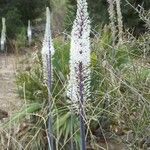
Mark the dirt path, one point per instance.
(9, 100)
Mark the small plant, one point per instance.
(20, 41)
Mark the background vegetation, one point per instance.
(18, 12)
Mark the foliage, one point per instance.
(18, 12)
(58, 9)
(21, 39)
(99, 14)
(119, 92)
(13, 22)
(31, 85)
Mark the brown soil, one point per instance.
(9, 101)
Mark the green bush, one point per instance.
(13, 22)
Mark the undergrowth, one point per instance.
(119, 105)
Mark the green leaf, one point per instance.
(32, 108)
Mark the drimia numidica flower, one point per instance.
(80, 54)
(3, 35)
(78, 89)
(47, 49)
(29, 32)
(47, 55)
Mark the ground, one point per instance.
(9, 100)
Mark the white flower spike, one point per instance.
(29, 32)
(47, 49)
(80, 54)
(3, 35)
(47, 55)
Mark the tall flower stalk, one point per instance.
(120, 22)
(29, 33)
(47, 54)
(112, 18)
(3, 35)
(78, 89)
